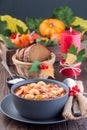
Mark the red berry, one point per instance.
(43, 66)
(13, 36)
(70, 93)
(73, 88)
(78, 90)
(74, 94)
(76, 87)
(46, 66)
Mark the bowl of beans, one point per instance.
(39, 98)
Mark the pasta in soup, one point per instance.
(40, 91)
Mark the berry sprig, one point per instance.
(43, 66)
(74, 90)
(37, 66)
(73, 55)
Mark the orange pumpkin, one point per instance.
(50, 26)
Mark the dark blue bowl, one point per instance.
(39, 109)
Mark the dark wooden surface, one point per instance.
(10, 124)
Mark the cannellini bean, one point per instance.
(61, 90)
(45, 96)
(19, 92)
(29, 96)
(23, 87)
(32, 85)
(41, 83)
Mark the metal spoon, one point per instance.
(7, 68)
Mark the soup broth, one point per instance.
(40, 91)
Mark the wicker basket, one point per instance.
(22, 67)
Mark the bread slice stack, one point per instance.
(33, 52)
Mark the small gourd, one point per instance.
(50, 26)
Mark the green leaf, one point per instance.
(7, 42)
(20, 30)
(81, 53)
(85, 58)
(35, 66)
(65, 14)
(52, 43)
(78, 28)
(47, 43)
(3, 28)
(33, 23)
(72, 49)
(79, 59)
(38, 40)
(64, 55)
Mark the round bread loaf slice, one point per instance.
(36, 52)
(20, 54)
(33, 52)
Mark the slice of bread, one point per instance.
(20, 54)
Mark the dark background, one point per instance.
(40, 8)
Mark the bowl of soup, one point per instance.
(39, 98)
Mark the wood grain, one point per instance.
(10, 124)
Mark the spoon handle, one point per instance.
(6, 67)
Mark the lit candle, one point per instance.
(70, 37)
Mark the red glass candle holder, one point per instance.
(70, 70)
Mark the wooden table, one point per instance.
(10, 124)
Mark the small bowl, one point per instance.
(39, 109)
(13, 80)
